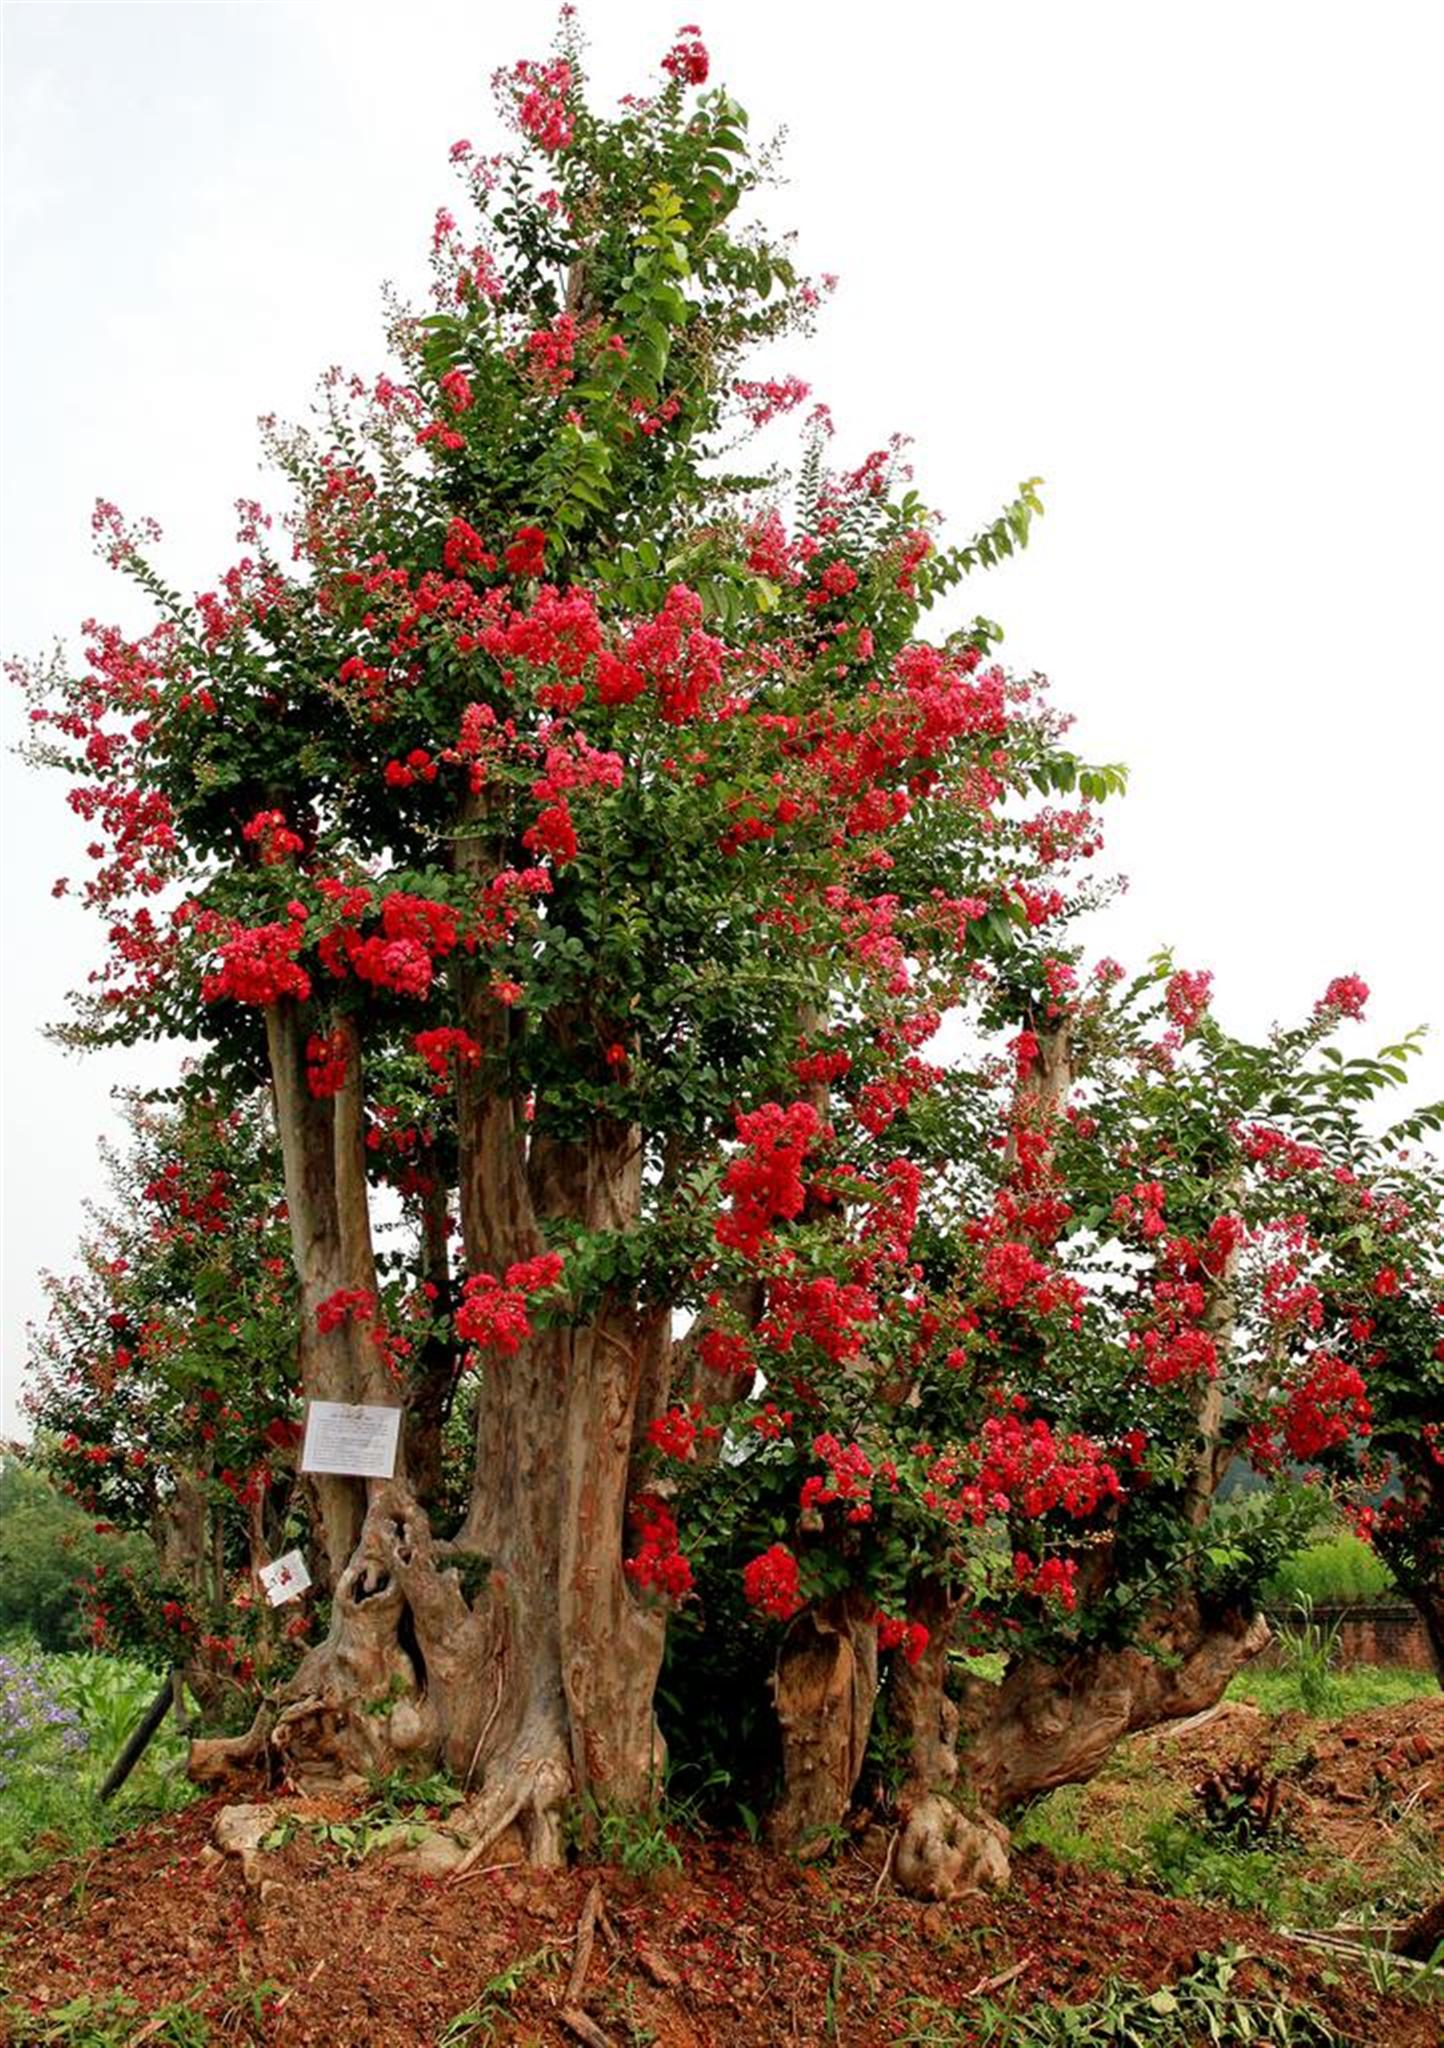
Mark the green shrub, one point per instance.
(47, 1546)
(1337, 1567)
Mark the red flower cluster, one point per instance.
(438, 1048)
(465, 549)
(1187, 998)
(1033, 1470)
(1279, 1155)
(269, 831)
(1328, 1406)
(763, 402)
(1010, 1273)
(535, 96)
(326, 1060)
(726, 1351)
(687, 60)
(1053, 1579)
(849, 1478)
(911, 1637)
(259, 965)
(659, 1566)
(766, 1182)
(493, 1314)
(672, 653)
(674, 1434)
(1345, 996)
(551, 351)
(400, 958)
(771, 1583)
(527, 554)
(347, 1304)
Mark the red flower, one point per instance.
(526, 555)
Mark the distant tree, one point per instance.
(162, 1389)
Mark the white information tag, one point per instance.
(360, 1442)
(285, 1578)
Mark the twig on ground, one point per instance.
(991, 1984)
(571, 2014)
(887, 1862)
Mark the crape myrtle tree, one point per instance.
(555, 757)
(582, 832)
(162, 1390)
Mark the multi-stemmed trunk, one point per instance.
(517, 1652)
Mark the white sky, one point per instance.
(1180, 260)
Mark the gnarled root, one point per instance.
(942, 1850)
(219, 1759)
(397, 1680)
(522, 1803)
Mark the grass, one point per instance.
(1355, 1689)
(63, 1720)
(1153, 1838)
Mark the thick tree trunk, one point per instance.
(1426, 1595)
(323, 1154)
(942, 1847)
(1212, 1450)
(1430, 1603)
(521, 1655)
(1046, 1725)
(825, 1688)
(1412, 1552)
(436, 1369)
(396, 1680)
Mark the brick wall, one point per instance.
(1373, 1633)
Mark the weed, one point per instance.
(480, 2021)
(1187, 1863)
(1242, 1802)
(1308, 1652)
(866, 1964)
(1055, 1823)
(396, 1796)
(621, 2013)
(107, 2020)
(63, 1719)
(638, 1843)
(1207, 2005)
(1411, 1877)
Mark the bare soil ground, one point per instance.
(739, 1949)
